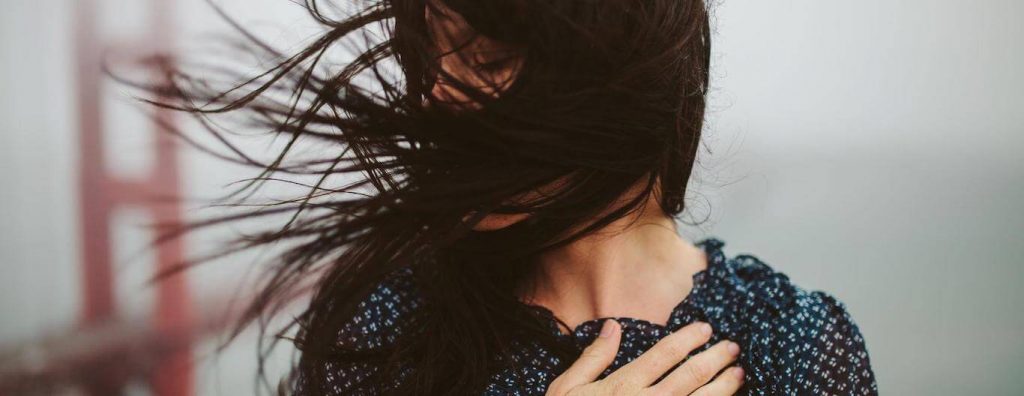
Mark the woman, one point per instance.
(524, 163)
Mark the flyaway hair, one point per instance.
(607, 96)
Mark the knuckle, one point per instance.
(620, 385)
(592, 353)
(623, 387)
(555, 388)
(678, 349)
(658, 359)
(697, 371)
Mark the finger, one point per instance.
(699, 369)
(592, 362)
(726, 383)
(665, 354)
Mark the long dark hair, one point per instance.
(610, 94)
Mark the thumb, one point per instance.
(592, 362)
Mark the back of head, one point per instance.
(593, 99)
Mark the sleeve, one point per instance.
(834, 358)
(379, 321)
(794, 341)
(343, 379)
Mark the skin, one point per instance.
(696, 376)
(636, 267)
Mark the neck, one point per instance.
(637, 267)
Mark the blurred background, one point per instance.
(870, 149)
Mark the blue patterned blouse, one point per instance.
(793, 341)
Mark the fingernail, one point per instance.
(738, 372)
(608, 328)
(733, 348)
(705, 329)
